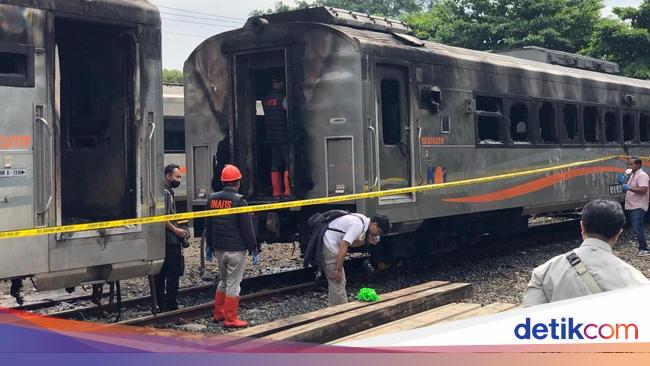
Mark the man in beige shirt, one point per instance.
(564, 277)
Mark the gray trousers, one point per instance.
(231, 271)
(337, 294)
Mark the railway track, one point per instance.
(539, 233)
(258, 288)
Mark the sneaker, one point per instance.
(643, 253)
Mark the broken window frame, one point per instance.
(537, 126)
(617, 126)
(26, 80)
(644, 119)
(498, 115)
(511, 103)
(599, 130)
(635, 126)
(578, 137)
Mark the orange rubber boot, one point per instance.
(276, 183)
(287, 184)
(230, 307)
(219, 300)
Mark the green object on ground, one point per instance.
(367, 294)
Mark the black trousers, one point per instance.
(168, 278)
(279, 157)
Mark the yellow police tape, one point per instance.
(285, 205)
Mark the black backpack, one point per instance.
(311, 238)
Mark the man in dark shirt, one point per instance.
(277, 134)
(173, 267)
(230, 236)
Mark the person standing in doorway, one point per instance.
(277, 135)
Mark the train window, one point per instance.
(611, 126)
(519, 123)
(13, 64)
(391, 111)
(547, 130)
(570, 123)
(16, 65)
(644, 127)
(174, 135)
(629, 130)
(489, 111)
(591, 123)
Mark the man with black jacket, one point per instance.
(230, 236)
(167, 280)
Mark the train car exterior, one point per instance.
(174, 120)
(373, 108)
(80, 89)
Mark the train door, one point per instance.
(254, 73)
(393, 131)
(95, 104)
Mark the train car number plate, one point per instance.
(615, 189)
(7, 173)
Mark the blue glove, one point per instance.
(621, 178)
(209, 254)
(256, 259)
(626, 187)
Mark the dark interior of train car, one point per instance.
(97, 159)
(254, 74)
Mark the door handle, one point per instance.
(50, 132)
(152, 158)
(420, 176)
(375, 170)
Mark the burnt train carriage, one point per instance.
(80, 83)
(373, 108)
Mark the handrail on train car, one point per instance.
(48, 127)
(375, 170)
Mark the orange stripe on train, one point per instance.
(534, 186)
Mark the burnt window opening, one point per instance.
(430, 98)
(547, 131)
(174, 135)
(489, 121)
(629, 132)
(13, 64)
(16, 65)
(519, 123)
(611, 127)
(489, 104)
(591, 123)
(391, 111)
(570, 123)
(644, 127)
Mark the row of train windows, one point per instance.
(557, 122)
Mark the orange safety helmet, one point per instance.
(230, 173)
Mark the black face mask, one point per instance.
(175, 184)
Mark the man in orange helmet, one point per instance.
(230, 236)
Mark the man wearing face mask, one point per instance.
(352, 230)
(173, 267)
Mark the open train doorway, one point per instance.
(261, 87)
(95, 69)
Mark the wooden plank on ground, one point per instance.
(294, 321)
(413, 322)
(493, 308)
(354, 321)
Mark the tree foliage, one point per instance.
(389, 8)
(172, 76)
(503, 24)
